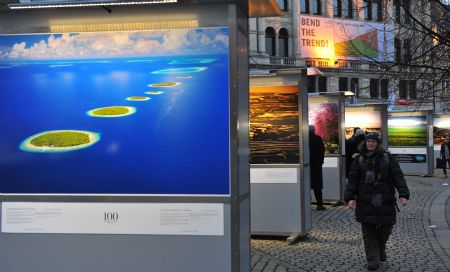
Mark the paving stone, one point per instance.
(335, 242)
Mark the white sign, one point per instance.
(330, 38)
(330, 162)
(273, 175)
(406, 150)
(113, 218)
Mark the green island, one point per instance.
(113, 111)
(165, 84)
(59, 141)
(138, 98)
(154, 92)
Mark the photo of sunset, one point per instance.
(274, 125)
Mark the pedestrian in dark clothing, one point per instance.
(351, 146)
(445, 154)
(316, 157)
(370, 188)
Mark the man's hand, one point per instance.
(351, 204)
(403, 201)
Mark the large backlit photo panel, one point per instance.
(407, 131)
(325, 118)
(441, 129)
(135, 112)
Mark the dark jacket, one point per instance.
(351, 147)
(316, 157)
(443, 151)
(381, 192)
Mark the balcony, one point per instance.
(283, 61)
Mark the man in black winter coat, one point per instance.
(373, 178)
(316, 157)
(351, 147)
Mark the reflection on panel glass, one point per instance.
(325, 117)
(407, 131)
(274, 125)
(441, 129)
(132, 112)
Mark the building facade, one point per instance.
(384, 53)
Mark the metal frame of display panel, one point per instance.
(381, 108)
(279, 207)
(437, 147)
(410, 157)
(334, 165)
(105, 252)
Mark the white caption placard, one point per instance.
(113, 218)
(273, 175)
(330, 162)
(406, 150)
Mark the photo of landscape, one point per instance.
(274, 125)
(441, 128)
(325, 118)
(407, 131)
(120, 112)
(368, 121)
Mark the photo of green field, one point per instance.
(407, 131)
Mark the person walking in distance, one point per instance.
(370, 189)
(445, 154)
(316, 157)
(351, 146)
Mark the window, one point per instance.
(398, 50)
(312, 84)
(322, 84)
(270, 41)
(316, 7)
(348, 8)
(283, 38)
(343, 84)
(384, 88)
(354, 84)
(403, 92)
(337, 8)
(304, 6)
(397, 9)
(377, 10)
(367, 6)
(412, 89)
(374, 88)
(406, 50)
(406, 12)
(283, 4)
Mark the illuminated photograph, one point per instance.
(125, 112)
(368, 121)
(441, 129)
(274, 125)
(325, 117)
(407, 131)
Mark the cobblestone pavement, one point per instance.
(335, 241)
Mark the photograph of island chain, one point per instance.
(325, 118)
(120, 112)
(441, 129)
(274, 125)
(407, 131)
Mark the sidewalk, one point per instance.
(420, 240)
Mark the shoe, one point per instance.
(373, 267)
(321, 208)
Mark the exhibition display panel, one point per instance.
(369, 118)
(441, 129)
(410, 140)
(326, 112)
(126, 139)
(279, 169)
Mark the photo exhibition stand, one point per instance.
(410, 140)
(326, 113)
(167, 228)
(279, 156)
(441, 129)
(368, 117)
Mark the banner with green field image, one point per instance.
(329, 38)
(407, 131)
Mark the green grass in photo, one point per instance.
(407, 136)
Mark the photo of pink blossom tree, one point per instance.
(325, 118)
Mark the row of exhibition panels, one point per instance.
(279, 157)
